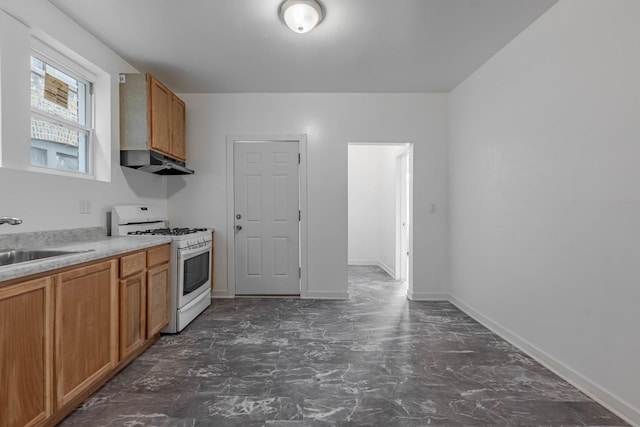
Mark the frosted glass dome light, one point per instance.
(301, 16)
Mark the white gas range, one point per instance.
(190, 260)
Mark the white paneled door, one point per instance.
(266, 215)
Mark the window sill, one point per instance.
(61, 172)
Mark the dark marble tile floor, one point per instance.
(376, 359)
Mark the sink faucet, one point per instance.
(10, 220)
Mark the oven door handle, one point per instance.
(186, 253)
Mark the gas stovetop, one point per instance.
(138, 220)
(167, 231)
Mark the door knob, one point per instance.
(238, 227)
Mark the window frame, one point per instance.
(57, 60)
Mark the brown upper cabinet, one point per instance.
(178, 128)
(151, 117)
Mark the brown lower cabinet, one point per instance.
(86, 345)
(144, 293)
(132, 302)
(64, 335)
(158, 280)
(26, 353)
(157, 299)
(133, 305)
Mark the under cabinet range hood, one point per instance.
(152, 126)
(152, 162)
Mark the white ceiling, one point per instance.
(213, 46)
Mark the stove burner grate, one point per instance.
(167, 231)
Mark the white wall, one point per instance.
(372, 205)
(545, 195)
(44, 201)
(364, 238)
(330, 122)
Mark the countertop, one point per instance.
(103, 248)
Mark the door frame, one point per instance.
(405, 155)
(301, 139)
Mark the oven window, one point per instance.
(196, 272)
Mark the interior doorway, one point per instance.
(380, 194)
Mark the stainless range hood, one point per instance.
(152, 162)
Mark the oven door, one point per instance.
(194, 271)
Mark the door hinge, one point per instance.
(299, 216)
(299, 272)
(298, 158)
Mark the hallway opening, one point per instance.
(379, 208)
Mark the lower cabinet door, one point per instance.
(26, 353)
(157, 299)
(133, 304)
(86, 322)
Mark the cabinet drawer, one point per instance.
(131, 264)
(159, 255)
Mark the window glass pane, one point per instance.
(38, 156)
(37, 63)
(71, 147)
(67, 162)
(61, 109)
(75, 108)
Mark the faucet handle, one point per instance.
(10, 220)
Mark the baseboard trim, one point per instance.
(362, 262)
(221, 295)
(326, 295)
(427, 296)
(380, 264)
(616, 405)
(386, 268)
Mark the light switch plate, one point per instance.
(85, 206)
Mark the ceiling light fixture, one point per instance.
(301, 15)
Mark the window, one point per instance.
(61, 117)
(38, 156)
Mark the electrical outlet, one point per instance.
(85, 206)
(433, 208)
(123, 78)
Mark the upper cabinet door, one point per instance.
(159, 112)
(178, 119)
